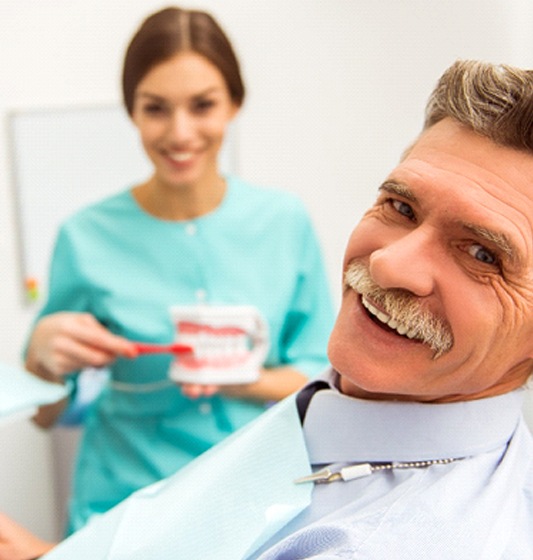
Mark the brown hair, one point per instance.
(174, 30)
(495, 101)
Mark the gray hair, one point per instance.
(494, 100)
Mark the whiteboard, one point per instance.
(66, 158)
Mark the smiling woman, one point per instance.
(182, 106)
(182, 109)
(189, 235)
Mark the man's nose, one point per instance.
(406, 263)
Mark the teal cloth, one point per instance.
(126, 268)
(21, 393)
(206, 510)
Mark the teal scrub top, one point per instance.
(127, 268)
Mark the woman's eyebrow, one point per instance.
(147, 94)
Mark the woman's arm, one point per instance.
(17, 543)
(273, 384)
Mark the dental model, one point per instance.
(230, 344)
(217, 347)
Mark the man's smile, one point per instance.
(399, 311)
(387, 320)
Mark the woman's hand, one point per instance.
(273, 385)
(196, 390)
(17, 543)
(65, 342)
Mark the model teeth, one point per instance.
(387, 320)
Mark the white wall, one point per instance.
(336, 90)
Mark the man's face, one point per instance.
(448, 245)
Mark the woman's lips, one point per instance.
(180, 157)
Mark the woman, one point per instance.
(186, 235)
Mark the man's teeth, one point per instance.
(181, 156)
(387, 320)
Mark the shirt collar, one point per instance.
(339, 428)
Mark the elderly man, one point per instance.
(413, 444)
(433, 341)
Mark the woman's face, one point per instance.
(181, 109)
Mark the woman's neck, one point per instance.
(183, 202)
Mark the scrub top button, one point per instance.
(205, 408)
(190, 229)
(201, 295)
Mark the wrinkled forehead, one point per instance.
(451, 157)
(464, 151)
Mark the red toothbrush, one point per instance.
(144, 348)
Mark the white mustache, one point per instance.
(403, 309)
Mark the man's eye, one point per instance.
(482, 254)
(403, 208)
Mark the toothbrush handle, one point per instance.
(145, 348)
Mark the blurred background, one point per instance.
(336, 90)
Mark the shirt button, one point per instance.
(190, 229)
(201, 295)
(205, 408)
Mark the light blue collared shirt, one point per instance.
(239, 500)
(478, 506)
